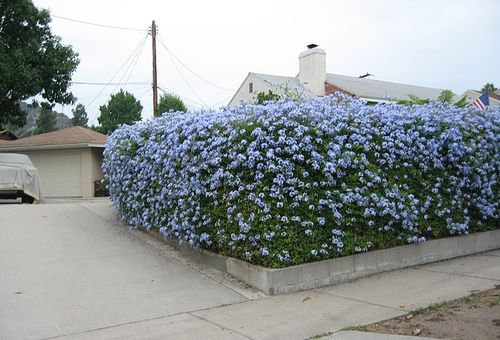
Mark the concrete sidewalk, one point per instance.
(70, 270)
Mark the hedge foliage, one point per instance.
(290, 182)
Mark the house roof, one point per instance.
(76, 136)
(376, 89)
(495, 95)
(473, 95)
(369, 89)
(278, 81)
(281, 83)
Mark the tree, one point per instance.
(488, 87)
(170, 102)
(463, 102)
(446, 96)
(263, 97)
(46, 121)
(79, 116)
(33, 61)
(414, 100)
(122, 108)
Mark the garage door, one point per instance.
(60, 172)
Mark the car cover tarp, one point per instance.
(18, 173)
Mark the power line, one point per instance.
(187, 83)
(132, 89)
(166, 90)
(143, 94)
(97, 83)
(222, 101)
(98, 25)
(189, 69)
(141, 43)
(185, 80)
(126, 61)
(163, 88)
(133, 62)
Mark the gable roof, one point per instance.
(76, 136)
(495, 95)
(277, 81)
(381, 90)
(281, 83)
(473, 95)
(368, 89)
(278, 84)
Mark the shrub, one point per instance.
(296, 181)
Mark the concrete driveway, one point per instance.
(67, 268)
(70, 270)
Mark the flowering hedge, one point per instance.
(298, 181)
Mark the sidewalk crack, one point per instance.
(224, 328)
(403, 310)
(457, 274)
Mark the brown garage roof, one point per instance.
(73, 136)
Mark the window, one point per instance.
(250, 88)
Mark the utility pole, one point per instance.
(155, 78)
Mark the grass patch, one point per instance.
(445, 307)
(319, 336)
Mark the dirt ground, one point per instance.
(474, 317)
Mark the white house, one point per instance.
(313, 80)
(494, 98)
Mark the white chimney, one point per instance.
(312, 69)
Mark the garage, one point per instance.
(60, 171)
(68, 160)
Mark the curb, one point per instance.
(328, 272)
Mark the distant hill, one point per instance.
(62, 121)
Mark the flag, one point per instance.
(482, 101)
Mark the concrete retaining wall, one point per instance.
(328, 272)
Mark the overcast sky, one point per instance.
(445, 44)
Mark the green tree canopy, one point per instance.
(263, 97)
(463, 102)
(33, 61)
(80, 117)
(169, 102)
(446, 96)
(414, 100)
(46, 121)
(122, 108)
(489, 87)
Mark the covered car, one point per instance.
(19, 178)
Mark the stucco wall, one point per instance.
(243, 92)
(91, 170)
(87, 183)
